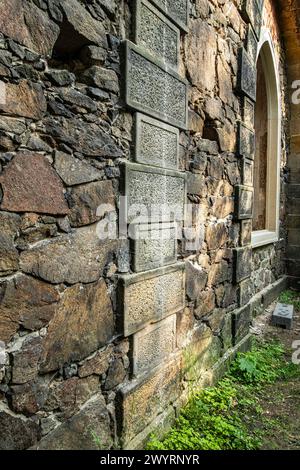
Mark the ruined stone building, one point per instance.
(112, 104)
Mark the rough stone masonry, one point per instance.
(101, 341)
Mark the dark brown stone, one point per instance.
(25, 301)
(196, 279)
(83, 323)
(115, 375)
(87, 138)
(85, 200)
(205, 304)
(26, 360)
(81, 431)
(62, 259)
(218, 273)
(24, 99)
(216, 236)
(98, 364)
(67, 396)
(9, 256)
(28, 398)
(17, 434)
(74, 171)
(31, 185)
(79, 29)
(105, 79)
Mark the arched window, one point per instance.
(268, 146)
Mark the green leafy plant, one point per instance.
(223, 417)
(290, 297)
(261, 364)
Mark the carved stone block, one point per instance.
(156, 143)
(248, 112)
(245, 292)
(153, 344)
(150, 297)
(153, 246)
(252, 12)
(243, 202)
(242, 263)
(246, 232)
(246, 81)
(153, 192)
(246, 141)
(176, 10)
(247, 172)
(154, 89)
(156, 33)
(252, 44)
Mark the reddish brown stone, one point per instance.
(77, 433)
(68, 395)
(84, 201)
(26, 360)
(28, 398)
(216, 236)
(31, 185)
(205, 303)
(24, 99)
(97, 364)
(28, 25)
(9, 256)
(25, 301)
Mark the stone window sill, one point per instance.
(263, 237)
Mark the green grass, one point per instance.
(223, 417)
(290, 297)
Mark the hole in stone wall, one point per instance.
(209, 131)
(69, 43)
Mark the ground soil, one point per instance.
(279, 419)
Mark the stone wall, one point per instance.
(104, 339)
(290, 28)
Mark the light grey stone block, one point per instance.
(247, 172)
(153, 345)
(241, 320)
(246, 232)
(243, 202)
(154, 192)
(246, 80)
(151, 296)
(248, 112)
(156, 33)
(154, 89)
(242, 263)
(176, 10)
(246, 141)
(156, 143)
(283, 316)
(252, 44)
(153, 245)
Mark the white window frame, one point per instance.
(269, 62)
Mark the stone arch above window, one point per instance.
(268, 145)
